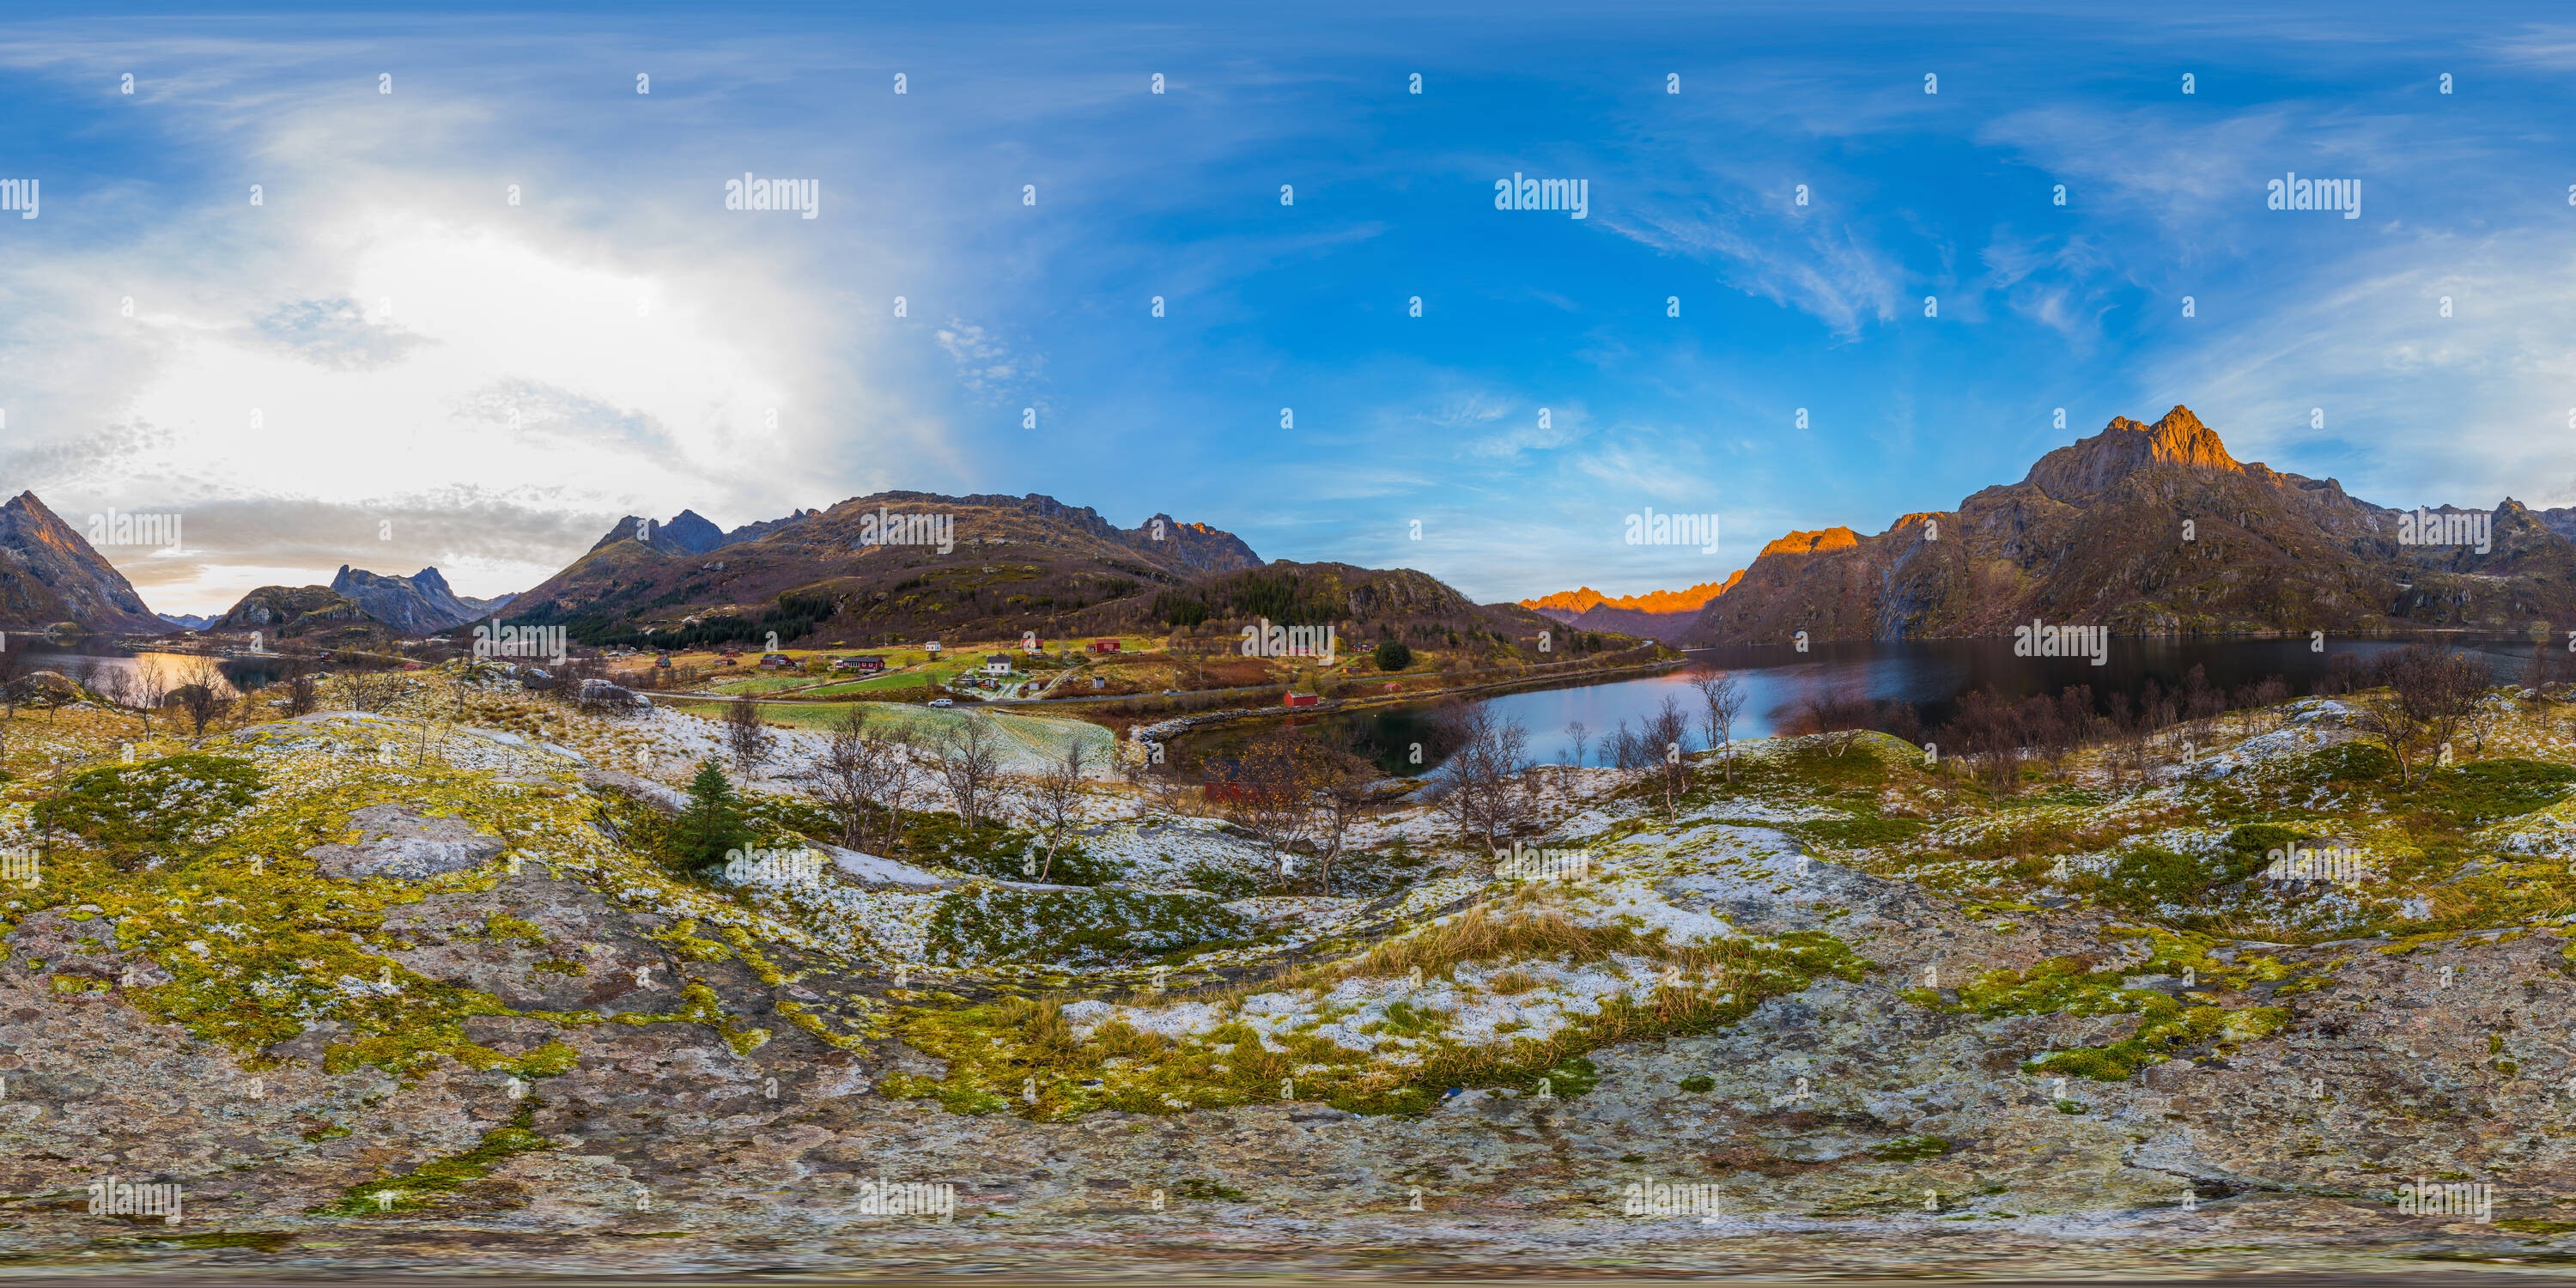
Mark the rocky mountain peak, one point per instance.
(1809, 543)
(49, 573)
(421, 603)
(2088, 467)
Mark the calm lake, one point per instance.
(1931, 674)
(234, 674)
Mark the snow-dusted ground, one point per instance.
(861, 866)
(1159, 851)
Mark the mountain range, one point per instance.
(1666, 615)
(2150, 529)
(420, 604)
(873, 569)
(2141, 528)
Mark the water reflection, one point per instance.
(125, 674)
(1931, 674)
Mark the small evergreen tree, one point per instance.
(713, 822)
(1392, 655)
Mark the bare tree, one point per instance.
(148, 689)
(864, 780)
(2270, 694)
(202, 697)
(368, 687)
(1483, 773)
(1724, 696)
(1581, 735)
(1664, 734)
(746, 738)
(13, 676)
(1347, 797)
(300, 696)
(2432, 692)
(1843, 714)
(84, 673)
(970, 761)
(1268, 791)
(1059, 799)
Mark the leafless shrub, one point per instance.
(202, 698)
(1058, 798)
(970, 762)
(1723, 697)
(865, 781)
(367, 686)
(746, 737)
(1481, 775)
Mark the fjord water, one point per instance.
(1931, 674)
(236, 675)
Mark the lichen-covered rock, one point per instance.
(1852, 1009)
(399, 841)
(601, 693)
(47, 689)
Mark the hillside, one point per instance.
(490, 998)
(2146, 529)
(49, 574)
(315, 616)
(1365, 605)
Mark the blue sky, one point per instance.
(386, 364)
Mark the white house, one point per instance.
(997, 664)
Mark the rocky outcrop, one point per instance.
(1194, 546)
(399, 841)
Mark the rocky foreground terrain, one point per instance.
(423, 988)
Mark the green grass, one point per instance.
(443, 1175)
(176, 800)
